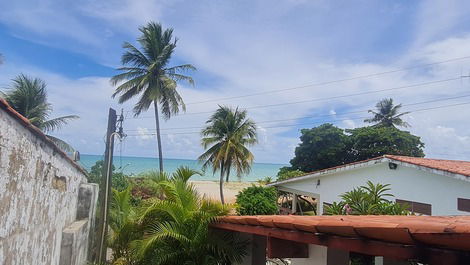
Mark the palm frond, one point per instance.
(64, 146)
(387, 114)
(56, 123)
(184, 174)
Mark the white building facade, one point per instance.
(430, 186)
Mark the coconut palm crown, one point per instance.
(387, 114)
(146, 75)
(28, 96)
(228, 134)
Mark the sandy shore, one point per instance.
(211, 189)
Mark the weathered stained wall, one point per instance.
(38, 195)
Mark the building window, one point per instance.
(463, 204)
(325, 204)
(417, 207)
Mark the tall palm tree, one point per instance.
(228, 134)
(146, 74)
(28, 96)
(387, 114)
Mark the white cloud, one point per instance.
(252, 54)
(349, 124)
(143, 134)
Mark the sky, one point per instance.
(292, 64)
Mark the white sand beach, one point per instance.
(211, 189)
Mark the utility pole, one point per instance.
(105, 188)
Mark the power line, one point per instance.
(333, 81)
(327, 115)
(311, 123)
(327, 98)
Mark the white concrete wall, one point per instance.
(38, 196)
(407, 183)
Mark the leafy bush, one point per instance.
(367, 200)
(119, 180)
(257, 200)
(288, 173)
(370, 199)
(265, 180)
(171, 226)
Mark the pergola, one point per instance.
(325, 240)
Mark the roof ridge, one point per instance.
(427, 158)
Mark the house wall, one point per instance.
(407, 183)
(39, 190)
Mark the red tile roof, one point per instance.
(449, 232)
(37, 132)
(452, 166)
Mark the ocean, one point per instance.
(133, 166)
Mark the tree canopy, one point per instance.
(373, 141)
(320, 147)
(328, 146)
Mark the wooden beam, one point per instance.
(280, 248)
(359, 245)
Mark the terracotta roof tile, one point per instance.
(452, 166)
(451, 232)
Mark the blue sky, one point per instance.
(245, 47)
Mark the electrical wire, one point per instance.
(327, 115)
(310, 123)
(333, 81)
(326, 98)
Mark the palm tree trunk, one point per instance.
(228, 173)
(159, 140)
(221, 184)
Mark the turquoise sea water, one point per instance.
(134, 165)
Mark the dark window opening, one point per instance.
(417, 207)
(463, 204)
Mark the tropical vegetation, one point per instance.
(28, 96)
(286, 173)
(119, 180)
(171, 227)
(387, 114)
(146, 74)
(226, 138)
(374, 141)
(257, 200)
(328, 146)
(370, 199)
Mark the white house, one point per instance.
(429, 186)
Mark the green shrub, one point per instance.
(119, 180)
(257, 200)
(288, 173)
(265, 180)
